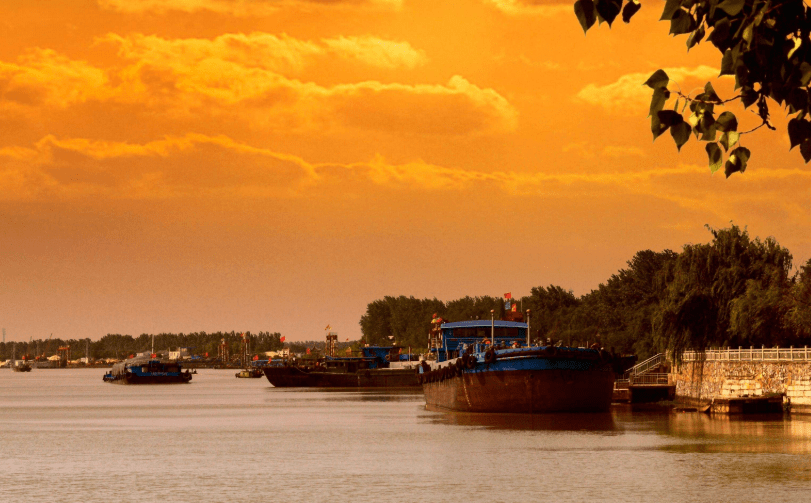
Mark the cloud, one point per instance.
(190, 165)
(252, 79)
(377, 52)
(532, 7)
(278, 53)
(628, 95)
(44, 77)
(241, 8)
(200, 166)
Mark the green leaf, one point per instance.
(709, 93)
(737, 161)
(749, 96)
(799, 130)
(657, 80)
(669, 117)
(670, 8)
(729, 139)
(715, 156)
(657, 102)
(805, 69)
(656, 127)
(609, 9)
(695, 37)
(720, 33)
(727, 122)
(798, 99)
(680, 133)
(732, 7)
(805, 150)
(748, 33)
(584, 10)
(727, 63)
(710, 132)
(631, 8)
(682, 22)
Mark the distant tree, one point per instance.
(764, 44)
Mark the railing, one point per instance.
(644, 367)
(653, 379)
(650, 379)
(750, 354)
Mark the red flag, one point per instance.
(255, 357)
(308, 350)
(281, 339)
(154, 355)
(508, 295)
(347, 339)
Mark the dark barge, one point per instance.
(485, 366)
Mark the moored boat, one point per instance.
(378, 367)
(249, 373)
(487, 366)
(147, 370)
(20, 367)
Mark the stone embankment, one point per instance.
(729, 374)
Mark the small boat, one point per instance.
(15, 365)
(147, 370)
(249, 373)
(486, 366)
(20, 367)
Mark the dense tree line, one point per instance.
(733, 291)
(121, 346)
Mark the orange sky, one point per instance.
(186, 165)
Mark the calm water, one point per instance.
(67, 436)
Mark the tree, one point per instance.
(729, 292)
(764, 44)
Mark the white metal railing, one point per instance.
(653, 378)
(748, 354)
(644, 367)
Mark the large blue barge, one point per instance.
(147, 370)
(489, 366)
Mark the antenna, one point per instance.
(4, 336)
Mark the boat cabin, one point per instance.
(450, 340)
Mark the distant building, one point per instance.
(282, 353)
(180, 353)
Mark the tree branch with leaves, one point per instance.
(764, 44)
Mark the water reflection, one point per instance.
(406, 394)
(599, 422)
(744, 434)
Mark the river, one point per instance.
(68, 436)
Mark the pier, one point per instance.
(743, 380)
(648, 381)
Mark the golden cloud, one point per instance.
(44, 77)
(201, 166)
(533, 7)
(242, 77)
(237, 7)
(192, 165)
(377, 52)
(628, 95)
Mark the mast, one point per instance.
(492, 328)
